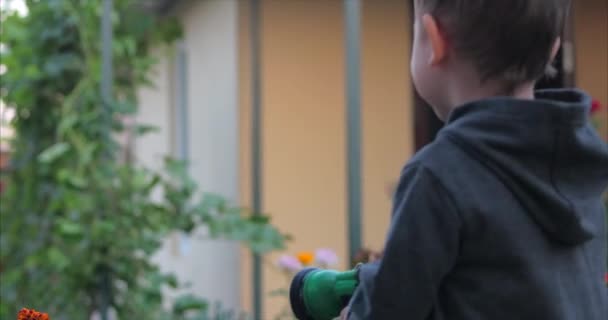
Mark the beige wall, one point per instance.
(388, 127)
(591, 42)
(244, 75)
(156, 109)
(304, 133)
(303, 128)
(211, 122)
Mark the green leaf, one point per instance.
(57, 259)
(125, 107)
(267, 239)
(102, 228)
(171, 30)
(212, 202)
(32, 71)
(70, 229)
(63, 175)
(175, 168)
(142, 129)
(171, 280)
(130, 46)
(189, 303)
(85, 155)
(77, 181)
(152, 183)
(67, 123)
(55, 65)
(260, 219)
(53, 152)
(31, 261)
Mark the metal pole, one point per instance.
(106, 96)
(106, 54)
(256, 142)
(353, 95)
(183, 135)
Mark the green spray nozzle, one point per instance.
(318, 294)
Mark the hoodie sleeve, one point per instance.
(421, 249)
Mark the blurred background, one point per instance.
(180, 159)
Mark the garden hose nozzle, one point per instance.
(319, 294)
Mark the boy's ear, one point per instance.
(437, 40)
(556, 45)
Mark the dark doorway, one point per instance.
(426, 123)
(557, 80)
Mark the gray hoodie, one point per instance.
(501, 217)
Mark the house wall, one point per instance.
(388, 112)
(211, 141)
(304, 124)
(591, 43)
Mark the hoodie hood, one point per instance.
(546, 152)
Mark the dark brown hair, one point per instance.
(507, 40)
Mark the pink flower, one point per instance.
(289, 263)
(595, 106)
(326, 257)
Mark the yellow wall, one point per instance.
(304, 123)
(304, 168)
(591, 43)
(244, 70)
(388, 127)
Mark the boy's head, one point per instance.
(471, 49)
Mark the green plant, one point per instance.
(79, 222)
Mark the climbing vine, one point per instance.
(79, 219)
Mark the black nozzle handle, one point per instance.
(295, 295)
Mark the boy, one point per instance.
(501, 217)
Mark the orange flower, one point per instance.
(27, 314)
(306, 258)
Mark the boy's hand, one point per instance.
(344, 314)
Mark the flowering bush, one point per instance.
(322, 258)
(81, 219)
(27, 314)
